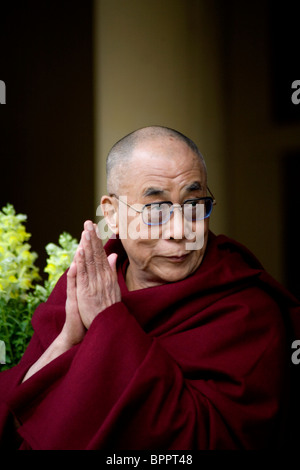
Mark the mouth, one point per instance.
(177, 259)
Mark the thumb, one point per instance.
(112, 260)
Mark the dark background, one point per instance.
(285, 41)
(285, 69)
(46, 126)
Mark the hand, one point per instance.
(92, 286)
(73, 330)
(96, 278)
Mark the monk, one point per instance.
(168, 337)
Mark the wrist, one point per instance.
(67, 339)
(62, 342)
(58, 347)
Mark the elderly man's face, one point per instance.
(162, 169)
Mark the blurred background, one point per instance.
(80, 75)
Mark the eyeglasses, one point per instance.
(159, 213)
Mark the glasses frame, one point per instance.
(174, 206)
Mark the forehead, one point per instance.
(164, 164)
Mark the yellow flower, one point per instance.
(50, 268)
(14, 295)
(25, 283)
(13, 240)
(16, 260)
(17, 269)
(26, 255)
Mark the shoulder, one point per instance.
(241, 277)
(235, 262)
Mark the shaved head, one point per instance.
(122, 151)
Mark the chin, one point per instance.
(176, 274)
(173, 271)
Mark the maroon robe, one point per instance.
(203, 363)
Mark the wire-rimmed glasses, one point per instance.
(159, 213)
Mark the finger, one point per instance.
(99, 254)
(81, 240)
(96, 227)
(82, 275)
(72, 269)
(71, 284)
(112, 260)
(89, 255)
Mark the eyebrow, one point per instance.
(152, 191)
(195, 186)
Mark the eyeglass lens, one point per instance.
(156, 214)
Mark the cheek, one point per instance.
(140, 251)
(135, 230)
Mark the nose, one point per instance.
(174, 228)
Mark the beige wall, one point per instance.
(156, 62)
(183, 64)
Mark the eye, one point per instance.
(156, 207)
(192, 202)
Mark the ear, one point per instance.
(109, 208)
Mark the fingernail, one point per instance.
(87, 235)
(90, 226)
(79, 250)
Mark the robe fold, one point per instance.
(203, 363)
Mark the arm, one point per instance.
(58, 347)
